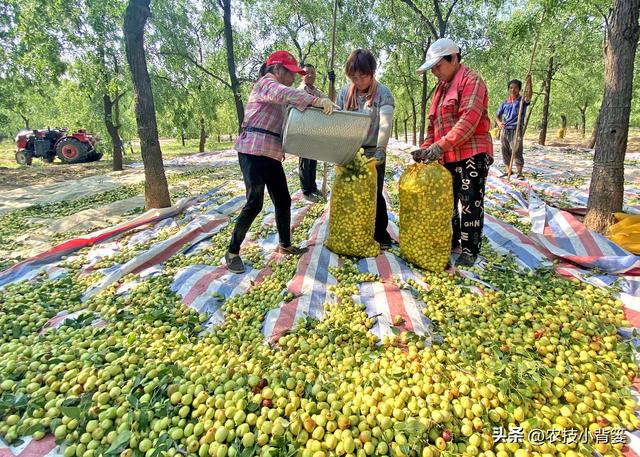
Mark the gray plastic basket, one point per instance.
(314, 135)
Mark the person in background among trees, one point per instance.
(365, 94)
(260, 152)
(458, 137)
(507, 119)
(307, 167)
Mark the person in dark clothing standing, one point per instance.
(365, 94)
(260, 151)
(307, 167)
(507, 119)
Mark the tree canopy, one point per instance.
(58, 61)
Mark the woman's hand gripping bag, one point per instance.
(426, 209)
(352, 214)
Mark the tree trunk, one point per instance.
(231, 61)
(545, 106)
(25, 119)
(110, 105)
(414, 116)
(406, 139)
(583, 119)
(395, 126)
(529, 111)
(423, 108)
(156, 188)
(607, 180)
(594, 133)
(203, 136)
(563, 118)
(112, 128)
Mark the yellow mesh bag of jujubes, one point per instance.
(352, 211)
(426, 208)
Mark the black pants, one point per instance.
(258, 172)
(382, 218)
(506, 142)
(307, 173)
(469, 179)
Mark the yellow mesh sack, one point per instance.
(352, 213)
(426, 208)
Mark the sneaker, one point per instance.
(234, 263)
(466, 260)
(291, 250)
(313, 198)
(520, 177)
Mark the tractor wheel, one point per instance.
(71, 150)
(23, 158)
(94, 156)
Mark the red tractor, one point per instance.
(76, 147)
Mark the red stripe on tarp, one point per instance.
(267, 271)
(628, 452)
(521, 236)
(586, 238)
(392, 293)
(177, 245)
(287, 315)
(70, 246)
(286, 318)
(34, 448)
(202, 284)
(632, 316)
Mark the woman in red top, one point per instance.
(458, 136)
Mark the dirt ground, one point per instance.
(13, 176)
(40, 173)
(575, 139)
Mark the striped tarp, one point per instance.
(556, 235)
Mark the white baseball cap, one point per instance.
(438, 49)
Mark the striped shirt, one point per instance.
(266, 110)
(458, 118)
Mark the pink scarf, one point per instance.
(351, 102)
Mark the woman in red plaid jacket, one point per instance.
(260, 151)
(458, 136)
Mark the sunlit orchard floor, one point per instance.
(539, 353)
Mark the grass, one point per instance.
(573, 138)
(171, 148)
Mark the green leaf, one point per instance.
(133, 400)
(33, 429)
(119, 443)
(73, 412)
(253, 407)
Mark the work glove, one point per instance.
(432, 153)
(326, 104)
(380, 155)
(418, 155)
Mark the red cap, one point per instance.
(287, 60)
